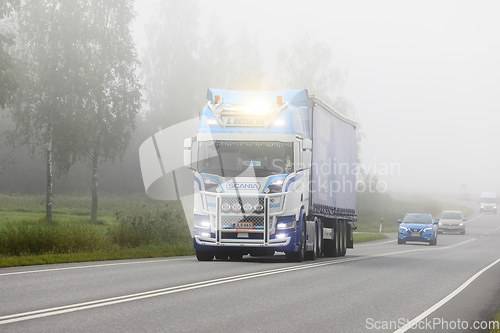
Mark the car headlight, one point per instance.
(403, 228)
(482, 206)
(460, 224)
(276, 186)
(440, 223)
(427, 229)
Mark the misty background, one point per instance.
(422, 79)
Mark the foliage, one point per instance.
(150, 251)
(43, 238)
(147, 227)
(139, 228)
(171, 66)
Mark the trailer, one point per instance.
(274, 171)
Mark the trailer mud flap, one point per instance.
(350, 240)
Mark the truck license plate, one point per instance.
(242, 225)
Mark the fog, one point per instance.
(423, 77)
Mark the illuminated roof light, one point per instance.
(280, 122)
(211, 121)
(217, 99)
(257, 109)
(279, 99)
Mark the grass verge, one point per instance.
(367, 237)
(149, 251)
(496, 319)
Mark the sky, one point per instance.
(424, 78)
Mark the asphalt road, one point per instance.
(377, 287)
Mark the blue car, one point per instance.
(418, 228)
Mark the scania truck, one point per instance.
(274, 171)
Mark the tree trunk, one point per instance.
(93, 214)
(48, 198)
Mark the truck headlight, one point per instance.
(276, 186)
(202, 221)
(286, 222)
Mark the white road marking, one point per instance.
(93, 266)
(439, 304)
(371, 244)
(160, 292)
(473, 218)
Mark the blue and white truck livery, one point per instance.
(273, 171)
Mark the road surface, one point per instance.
(376, 287)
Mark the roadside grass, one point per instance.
(497, 320)
(367, 237)
(128, 227)
(148, 251)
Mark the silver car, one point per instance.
(451, 221)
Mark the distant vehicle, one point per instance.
(465, 196)
(488, 202)
(417, 228)
(452, 221)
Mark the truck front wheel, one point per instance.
(204, 255)
(298, 256)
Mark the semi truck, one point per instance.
(274, 171)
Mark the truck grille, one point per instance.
(227, 221)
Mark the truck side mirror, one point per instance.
(306, 154)
(188, 161)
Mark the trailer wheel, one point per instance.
(338, 233)
(344, 238)
(319, 244)
(204, 255)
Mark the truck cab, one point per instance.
(253, 184)
(250, 161)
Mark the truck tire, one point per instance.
(344, 238)
(298, 256)
(204, 255)
(221, 256)
(338, 238)
(235, 255)
(319, 245)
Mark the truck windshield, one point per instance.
(245, 158)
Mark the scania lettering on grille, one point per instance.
(242, 186)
